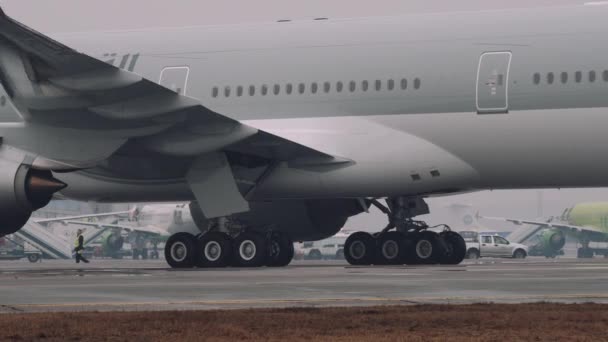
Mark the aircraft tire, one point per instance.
(280, 250)
(249, 250)
(216, 250)
(392, 248)
(181, 250)
(359, 249)
(455, 248)
(427, 248)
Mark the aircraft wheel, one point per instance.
(427, 248)
(181, 250)
(359, 249)
(392, 248)
(455, 248)
(249, 250)
(280, 250)
(216, 250)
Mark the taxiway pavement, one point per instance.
(107, 285)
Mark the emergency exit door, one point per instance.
(175, 78)
(493, 82)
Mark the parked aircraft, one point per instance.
(287, 129)
(587, 222)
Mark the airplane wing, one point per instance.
(566, 228)
(146, 230)
(98, 110)
(79, 217)
(54, 85)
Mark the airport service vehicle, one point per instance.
(586, 222)
(494, 246)
(330, 248)
(280, 132)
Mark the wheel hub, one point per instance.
(247, 250)
(424, 249)
(213, 251)
(390, 250)
(357, 250)
(179, 251)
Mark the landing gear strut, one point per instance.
(404, 240)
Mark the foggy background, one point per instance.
(54, 16)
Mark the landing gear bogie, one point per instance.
(404, 240)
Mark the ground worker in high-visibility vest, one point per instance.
(79, 247)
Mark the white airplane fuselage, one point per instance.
(428, 103)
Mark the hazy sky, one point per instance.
(87, 15)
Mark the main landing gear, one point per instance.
(409, 243)
(216, 249)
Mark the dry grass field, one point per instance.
(480, 322)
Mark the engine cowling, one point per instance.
(23, 190)
(113, 243)
(553, 239)
(303, 220)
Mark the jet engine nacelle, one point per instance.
(303, 220)
(23, 190)
(113, 243)
(553, 239)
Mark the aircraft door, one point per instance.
(493, 82)
(175, 78)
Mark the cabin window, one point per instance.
(215, 92)
(314, 87)
(227, 92)
(605, 75)
(564, 77)
(326, 87)
(289, 88)
(277, 89)
(264, 90)
(301, 88)
(403, 84)
(536, 78)
(352, 86)
(591, 76)
(391, 84)
(239, 91)
(550, 78)
(417, 83)
(364, 85)
(339, 87)
(251, 90)
(578, 76)
(378, 85)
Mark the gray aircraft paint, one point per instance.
(391, 135)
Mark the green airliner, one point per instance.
(587, 222)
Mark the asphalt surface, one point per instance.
(108, 285)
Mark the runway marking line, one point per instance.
(413, 300)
